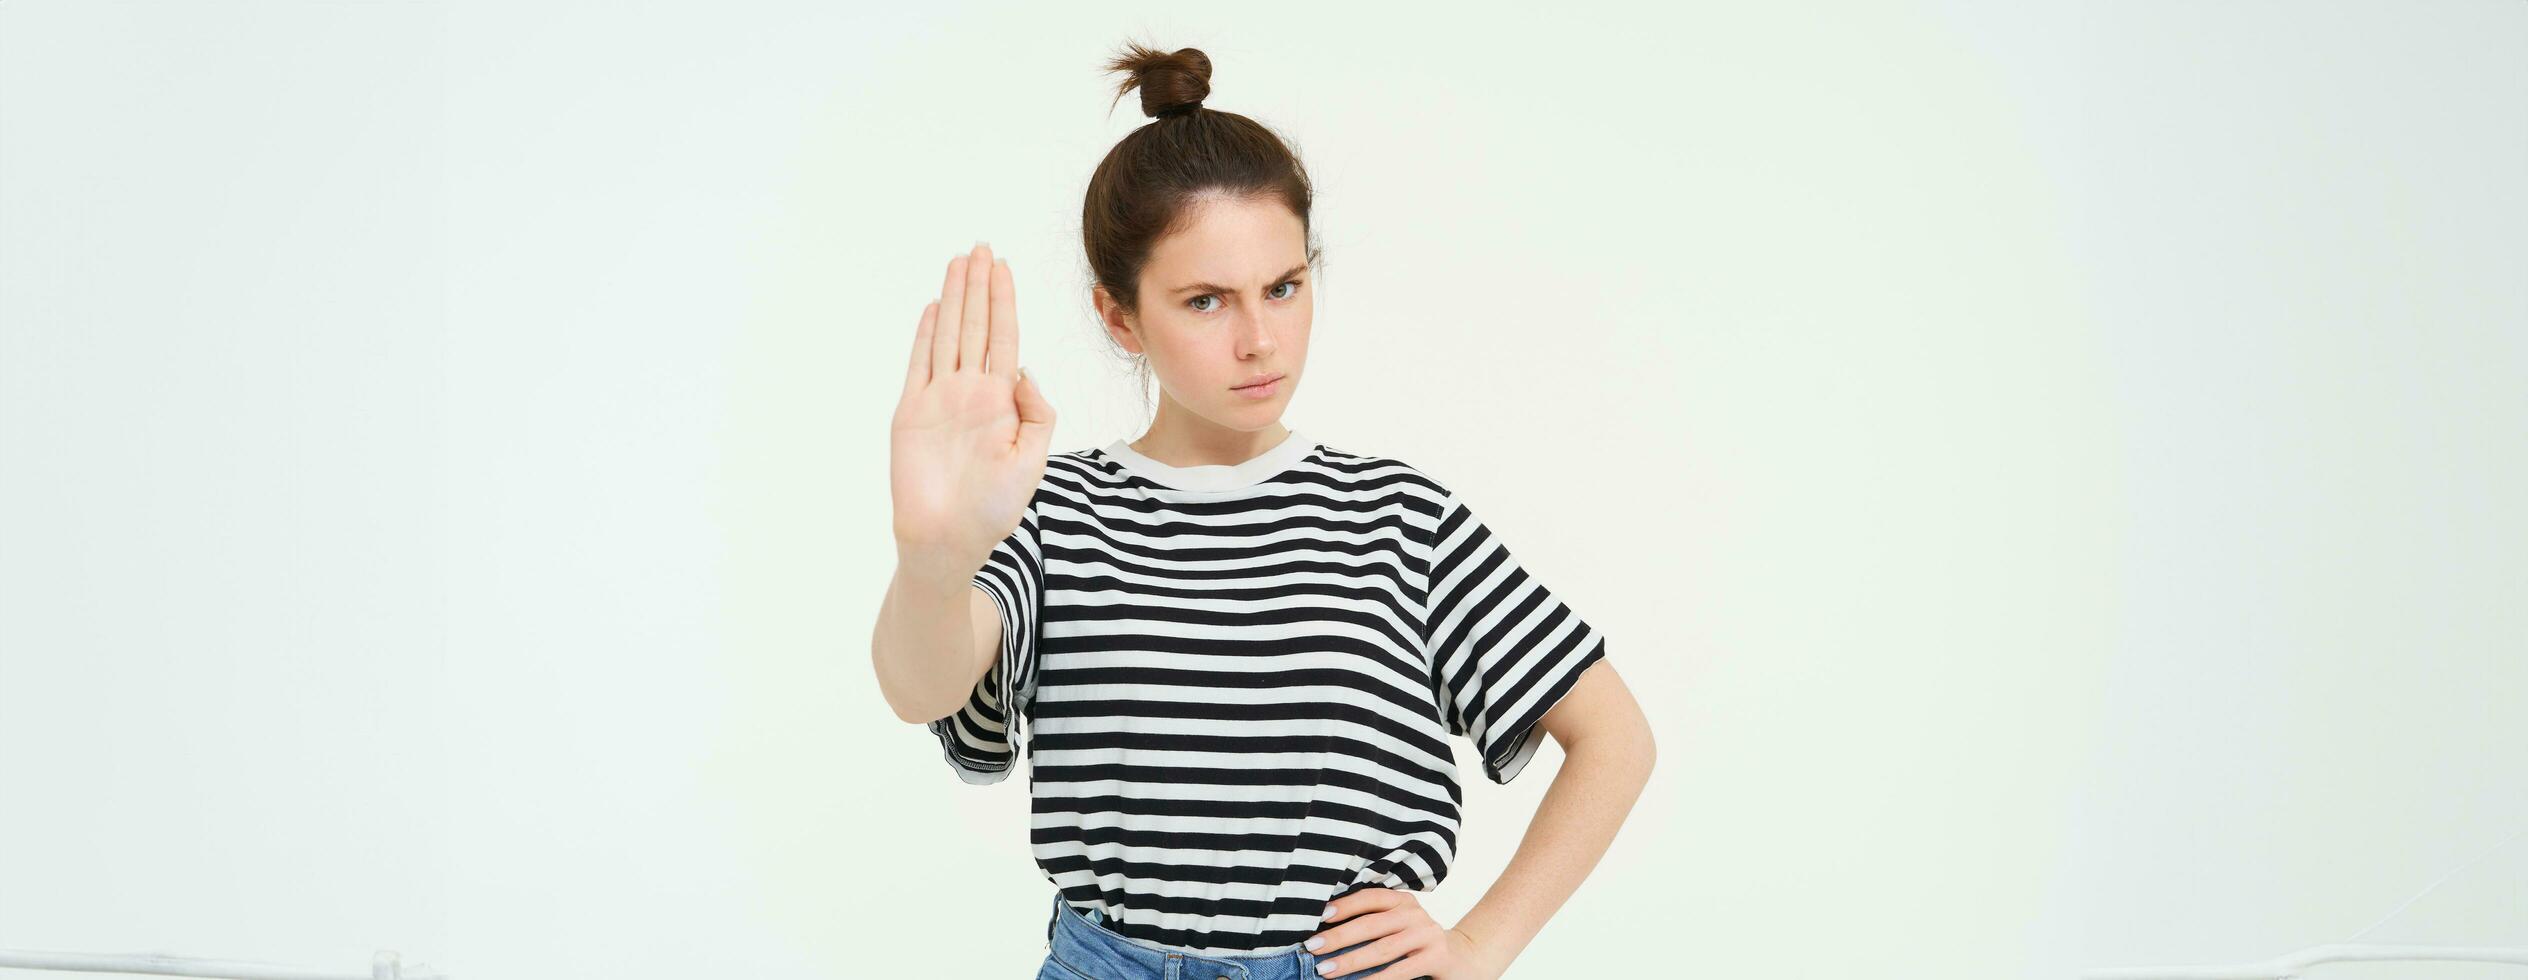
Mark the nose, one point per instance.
(1255, 339)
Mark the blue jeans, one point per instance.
(1080, 948)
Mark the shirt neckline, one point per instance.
(1215, 477)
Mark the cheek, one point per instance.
(1295, 337)
(1187, 345)
(1194, 358)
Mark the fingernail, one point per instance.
(997, 260)
(1329, 910)
(1312, 943)
(980, 243)
(1325, 968)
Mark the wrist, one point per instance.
(1494, 961)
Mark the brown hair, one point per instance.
(1142, 191)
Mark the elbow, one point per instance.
(904, 704)
(1640, 749)
(914, 712)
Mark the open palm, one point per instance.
(968, 443)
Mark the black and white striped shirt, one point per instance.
(1236, 683)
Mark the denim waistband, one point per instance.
(1082, 943)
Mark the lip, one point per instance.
(1260, 386)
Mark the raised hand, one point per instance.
(968, 443)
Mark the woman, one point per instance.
(1240, 651)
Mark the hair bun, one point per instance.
(1171, 83)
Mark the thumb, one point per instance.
(1035, 415)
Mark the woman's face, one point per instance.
(1223, 301)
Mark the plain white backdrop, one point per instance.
(2051, 472)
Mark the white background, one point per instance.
(2051, 472)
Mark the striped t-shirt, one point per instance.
(1236, 683)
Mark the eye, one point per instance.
(1196, 301)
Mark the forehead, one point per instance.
(1228, 240)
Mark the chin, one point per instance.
(1250, 416)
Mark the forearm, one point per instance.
(923, 644)
(1588, 801)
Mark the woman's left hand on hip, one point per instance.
(1402, 937)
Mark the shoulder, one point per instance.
(1072, 475)
(1386, 472)
(1087, 463)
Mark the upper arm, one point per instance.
(1599, 707)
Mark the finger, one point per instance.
(918, 370)
(1422, 964)
(1000, 355)
(1359, 930)
(1364, 900)
(1035, 416)
(975, 318)
(1354, 961)
(952, 304)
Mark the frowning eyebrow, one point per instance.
(1213, 287)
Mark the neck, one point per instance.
(1181, 438)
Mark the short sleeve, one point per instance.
(980, 740)
(1503, 650)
